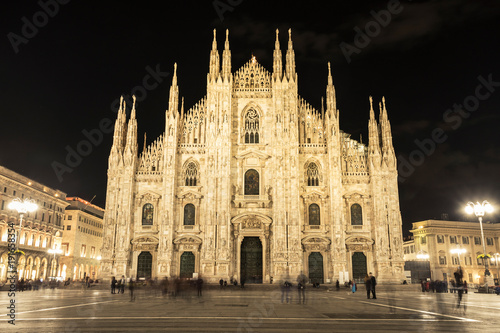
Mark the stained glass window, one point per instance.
(189, 214)
(191, 173)
(251, 182)
(251, 126)
(312, 175)
(147, 214)
(314, 215)
(356, 215)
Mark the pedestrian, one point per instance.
(199, 285)
(131, 286)
(465, 287)
(422, 284)
(459, 284)
(301, 287)
(221, 283)
(354, 288)
(113, 285)
(368, 285)
(122, 284)
(337, 285)
(285, 291)
(225, 284)
(373, 284)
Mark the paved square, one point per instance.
(254, 309)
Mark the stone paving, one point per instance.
(257, 308)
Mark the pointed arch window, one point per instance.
(356, 215)
(312, 174)
(189, 214)
(147, 214)
(314, 214)
(252, 127)
(251, 182)
(191, 174)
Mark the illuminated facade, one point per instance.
(41, 230)
(253, 183)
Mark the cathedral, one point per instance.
(253, 184)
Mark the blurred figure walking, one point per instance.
(368, 285)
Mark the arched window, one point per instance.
(312, 175)
(189, 214)
(191, 174)
(251, 182)
(356, 215)
(252, 126)
(147, 214)
(314, 214)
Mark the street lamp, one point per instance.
(54, 251)
(479, 209)
(22, 207)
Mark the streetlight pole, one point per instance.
(22, 207)
(479, 209)
(458, 251)
(54, 251)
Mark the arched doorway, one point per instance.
(144, 263)
(187, 265)
(316, 267)
(251, 260)
(358, 266)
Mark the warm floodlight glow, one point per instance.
(422, 256)
(458, 251)
(23, 206)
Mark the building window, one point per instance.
(68, 227)
(489, 241)
(477, 240)
(251, 182)
(312, 175)
(465, 240)
(423, 240)
(455, 260)
(314, 214)
(3, 204)
(356, 215)
(252, 126)
(453, 239)
(92, 252)
(43, 217)
(147, 214)
(83, 251)
(189, 214)
(442, 260)
(440, 239)
(470, 277)
(191, 174)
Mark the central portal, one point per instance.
(251, 260)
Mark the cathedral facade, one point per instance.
(253, 183)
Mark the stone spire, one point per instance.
(373, 135)
(131, 145)
(120, 128)
(277, 60)
(214, 60)
(290, 58)
(226, 59)
(173, 100)
(331, 100)
(385, 128)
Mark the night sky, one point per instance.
(62, 78)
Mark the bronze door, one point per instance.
(316, 267)
(187, 265)
(251, 260)
(144, 263)
(358, 266)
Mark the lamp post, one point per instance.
(22, 207)
(479, 209)
(54, 251)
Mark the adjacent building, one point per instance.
(82, 240)
(40, 230)
(253, 183)
(437, 239)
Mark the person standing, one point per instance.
(301, 287)
(199, 285)
(131, 287)
(373, 284)
(122, 284)
(113, 285)
(368, 285)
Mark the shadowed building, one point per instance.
(253, 182)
